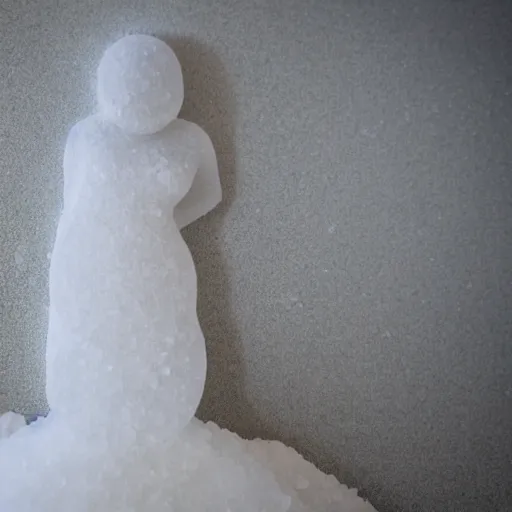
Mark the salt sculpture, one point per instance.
(125, 354)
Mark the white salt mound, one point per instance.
(126, 360)
(46, 468)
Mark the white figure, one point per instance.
(125, 353)
(123, 287)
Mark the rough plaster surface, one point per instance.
(356, 283)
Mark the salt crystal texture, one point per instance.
(126, 357)
(10, 422)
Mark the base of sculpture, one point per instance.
(206, 469)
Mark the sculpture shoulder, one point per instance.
(192, 132)
(84, 131)
(94, 127)
(86, 128)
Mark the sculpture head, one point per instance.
(140, 84)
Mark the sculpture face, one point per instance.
(140, 85)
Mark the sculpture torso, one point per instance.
(122, 280)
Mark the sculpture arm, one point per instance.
(205, 192)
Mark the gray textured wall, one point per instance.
(356, 284)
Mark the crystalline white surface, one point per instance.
(140, 86)
(45, 467)
(122, 280)
(125, 353)
(10, 422)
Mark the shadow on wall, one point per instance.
(210, 104)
